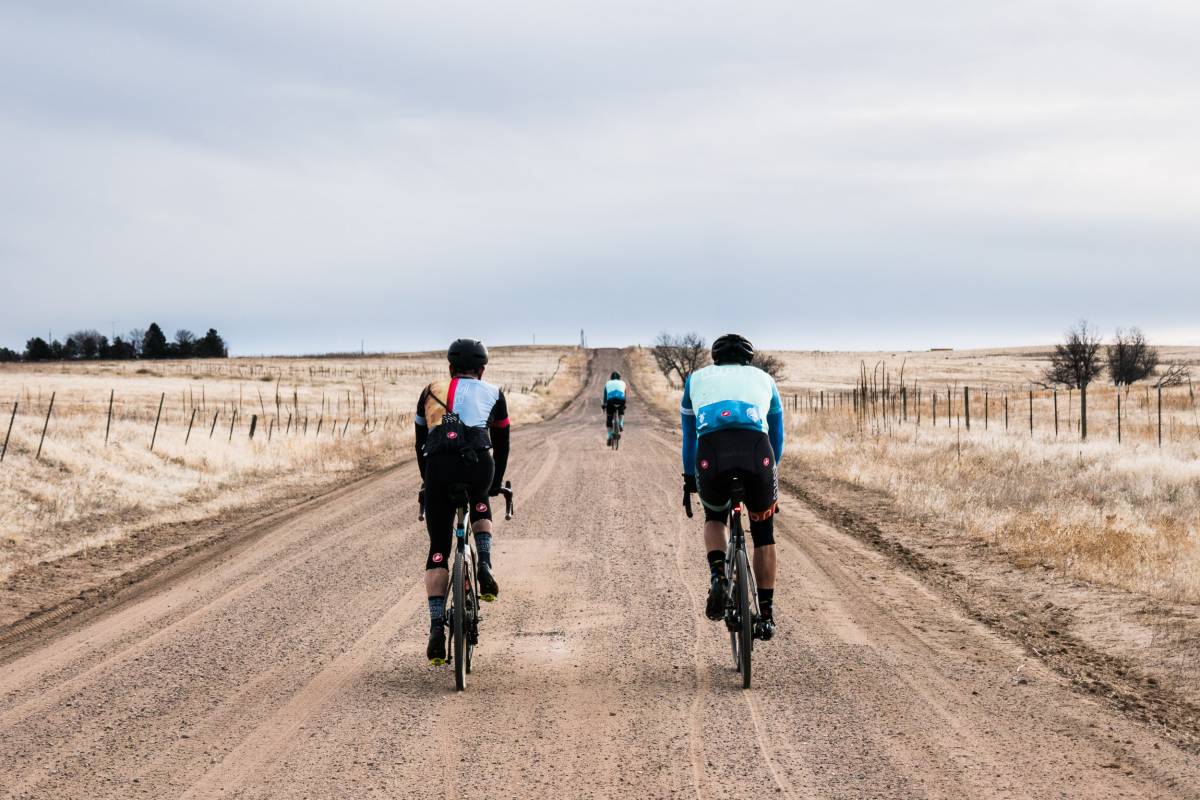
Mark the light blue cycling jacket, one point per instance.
(729, 397)
(614, 390)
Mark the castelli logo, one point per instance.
(451, 435)
(437, 558)
(482, 507)
(704, 464)
(766, 462)
(725, 413)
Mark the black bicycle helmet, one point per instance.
(616, 376)
(467, 354)
(732, 348)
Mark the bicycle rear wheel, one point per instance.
(745, 632)
(458, 621)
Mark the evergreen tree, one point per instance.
(212, 345)
(36, 349)
(154, 343)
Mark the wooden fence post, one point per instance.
(213, 429)
(156, 419)
(1056, 413)
(967, 406)
(933, 404)
(1006, 411)
(108, 425)
(191, 422)
(1159, 415)
(1031, 413)
(1118, 415)
(11, 420)
(986, 408)
(232, 420)
(46, 425)
(253, 425)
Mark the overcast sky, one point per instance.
(304, 176)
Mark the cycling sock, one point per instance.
(716, 563)
(766, 599)
(437, 610)
(483, 544)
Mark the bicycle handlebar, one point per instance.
(507, 491)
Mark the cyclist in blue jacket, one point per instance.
(733, 425)
(614, 402)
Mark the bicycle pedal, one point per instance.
(488, 598)
(439, 662)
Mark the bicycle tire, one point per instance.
(458, 635)
(746, 622)
(473, 627)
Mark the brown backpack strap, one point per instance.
(429, 391)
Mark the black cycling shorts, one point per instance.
(722, 455)
(613, 407)
(442, 472)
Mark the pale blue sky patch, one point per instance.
(865, 174)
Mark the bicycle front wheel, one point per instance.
(745, 632)
(458, 621)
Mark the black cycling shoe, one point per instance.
(436, 651)
(488, 588)
(765, 627)
(714, 609)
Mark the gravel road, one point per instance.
(293, 666)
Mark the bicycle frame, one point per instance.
(740, 585)
(735, 543)
(462, 588)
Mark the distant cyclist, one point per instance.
(457, 421)
(733, 425)
(614, 402)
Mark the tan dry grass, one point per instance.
(82, 493)
(1123, 515)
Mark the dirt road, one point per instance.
(293, 666)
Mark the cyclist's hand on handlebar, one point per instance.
(689, 484)
(495, 491)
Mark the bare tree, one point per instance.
(679, 356)
(772, 365)
(1075, 364)
(1130, 357)
(1174, 375)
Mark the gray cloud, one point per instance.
(851, 175)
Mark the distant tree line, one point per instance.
(150, 343)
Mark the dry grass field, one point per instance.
(1120, 514)
(318, 422)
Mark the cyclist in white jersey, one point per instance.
(457, 421)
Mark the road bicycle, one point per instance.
(462, 595)
(741, 593)
(614, 439)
